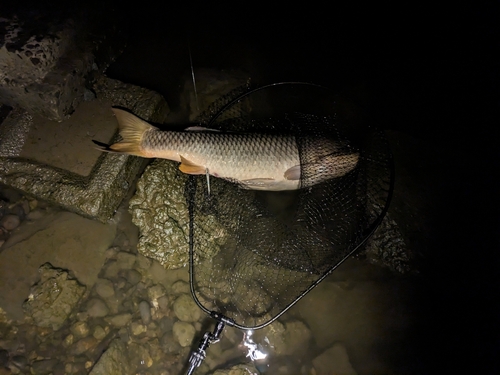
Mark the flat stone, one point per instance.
(104, 288)
(57, 161)
(113, 361)
(65, 240)
(120, 320)
(10, 222)
(184, 333)
(97, 308)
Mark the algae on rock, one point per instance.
(159, 208)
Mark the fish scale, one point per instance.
(254, 160)
(234, 156)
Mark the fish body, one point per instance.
(254, 160)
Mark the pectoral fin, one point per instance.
(189, 167)
(293, 173)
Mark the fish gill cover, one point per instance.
(280, 245)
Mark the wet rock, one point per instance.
(180, 287)
(124, 334)
(163, 219)
(169, 344)
(104, 288)
(10, 222)
(113, 361)
(163, 303)
(25, 205)
(75, 368)
(18, 211)
(96, 308)
(80, 329)
(137, 328)
(120, 320)
(125, 260)
(68, 340)
(35, 214)
(111, 269)
(111, 252)
(53, 298)
(186, 309)
(145, 311)
(155, 292)
(333, 361)
(184, 333)
(43, 367)
(63, 239)
(20, 362)
(122, 283)
(243, 369)
(166, 324)
(140, 355)
(133, 276)
(99, 333)
(84, 345)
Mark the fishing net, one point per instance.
(279, 245)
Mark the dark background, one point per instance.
(419, 69)
(424, 69)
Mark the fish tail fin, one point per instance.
(132, 130)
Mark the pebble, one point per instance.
(19, 361)
(68, 340)
(133, 276)
(104, 288)
(43, 367)
(145, 311)
(120, 320)
(169, 344)
(186, 309)
(125, 260)
(25, 206)
(99, 332)
(156, 291)
(184, 333)
(180, 287)
(111, 269)
(35, 215)
(84, 345)
(166, 324)
(10, 222)
(80, 329)
(111, 252)
(137, 328)
(96, 308)
(163, 303)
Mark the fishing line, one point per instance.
(193, 78)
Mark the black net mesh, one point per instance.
(278, 245)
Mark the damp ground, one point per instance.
(358, 321)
